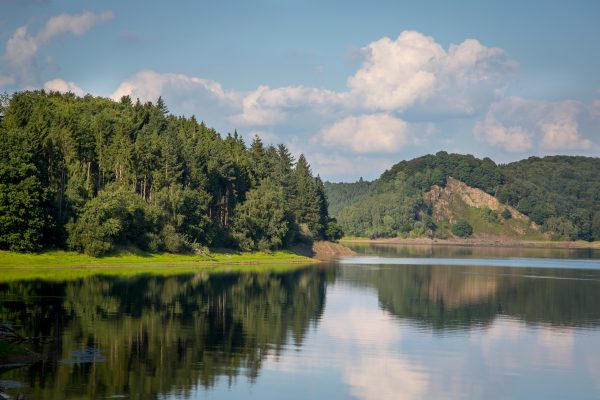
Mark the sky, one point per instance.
(354, 85)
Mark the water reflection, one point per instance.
(332, 331)
(147, 335)
(462, 297)
(441, 251)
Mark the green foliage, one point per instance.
(341, 195)
(333, 231)
(490, 215)
(115, 217)
(462, 228)
(23, 219)
(541, 188)
(560, 228)
(260, 222)
(65, 151)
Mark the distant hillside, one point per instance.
(439, 195)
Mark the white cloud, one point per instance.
(76, 24)
(518, 125)
(183, 95)
(513, 139)
(395, 74)
(60, 85)
(415, 68)
(266, 106)
(149, 85)
(366, 134)
(22, 47)
(384, 377)
(560, 129)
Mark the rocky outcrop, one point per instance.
(323, 250)
(443, 199)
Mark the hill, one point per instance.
(449, 195)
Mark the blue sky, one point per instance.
(356, 86)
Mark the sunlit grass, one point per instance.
(62, 265)
(68, 273)
(72, 259)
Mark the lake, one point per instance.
(395, 322)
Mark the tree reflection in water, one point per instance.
(156, 334)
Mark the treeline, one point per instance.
(560, 193)
(91, 174)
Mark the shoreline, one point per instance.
(316, 252)
(476, 242)
(66, 259)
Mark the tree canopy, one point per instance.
(559, 193)
(91, 174)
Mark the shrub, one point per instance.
(462, 229)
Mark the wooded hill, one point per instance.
(91, 174)
(554, 197)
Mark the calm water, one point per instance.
(393, 323)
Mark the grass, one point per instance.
(71, 259)
(61, 265)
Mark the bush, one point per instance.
(490, 215)
(115, 217)
(333, 231)
(260, 222)
(560, 228)
(462, 229)
(506, 214)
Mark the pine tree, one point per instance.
(306, 205)
(161, 106)
(23, 215)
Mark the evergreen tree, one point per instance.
(23, 217)
(260, 222)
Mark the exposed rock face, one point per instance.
(445, 201)
(323, 250)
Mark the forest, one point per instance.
(94, 175)
(559, 193)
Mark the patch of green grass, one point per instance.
(218, 256)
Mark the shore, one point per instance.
(298, 254)
(60, 258)
(481, 241)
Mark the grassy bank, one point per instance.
(60, 265)
(71, 259)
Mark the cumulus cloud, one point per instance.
(519, 125)
(560, 128)
(415, 68)
(366, 134)
(60, 85)
(513, 139)
(183, 94)
(266, 106)
(22, 47)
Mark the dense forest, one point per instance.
(91, 174)
(561, 194)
